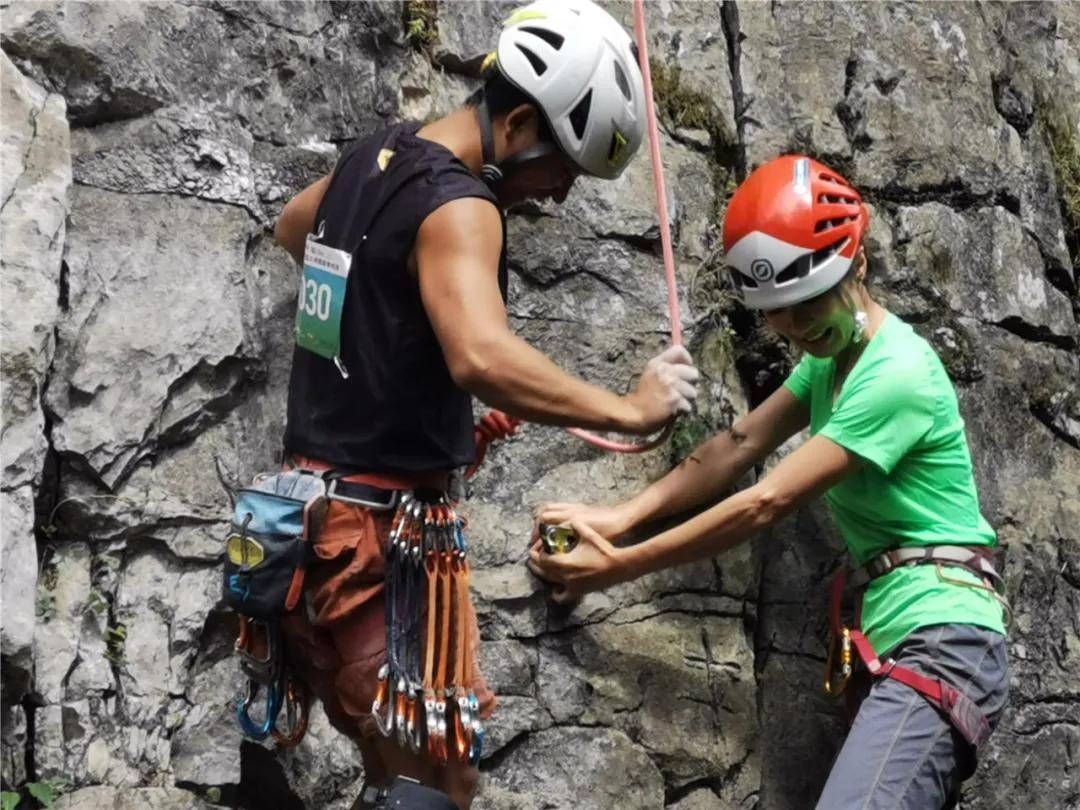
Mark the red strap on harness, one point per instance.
(963, 713)
(890, 669)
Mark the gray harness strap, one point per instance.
(977, 559)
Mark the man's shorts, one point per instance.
(337, 642)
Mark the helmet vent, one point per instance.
(579, 116)
(534, 60)
(826, 224)
(739, 280)
(620, 80)
(820, 257)
(834, 198)
(550, 37)
(800, 268)
(832, 178)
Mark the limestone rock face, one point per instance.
(34, 203)
(147, 151)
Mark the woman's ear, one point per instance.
(860, 272)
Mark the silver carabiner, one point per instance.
(384, 695)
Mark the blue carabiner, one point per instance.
(462, 546)
(273, 706)
(476, 746)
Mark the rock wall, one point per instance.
(147, 149)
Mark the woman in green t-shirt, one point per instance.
(886, 449)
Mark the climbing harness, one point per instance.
(964, 715)
(425, 698)
(498, 425)
(274, 524)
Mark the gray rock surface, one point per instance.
(107, 798)
(35, 178)
(147, 337)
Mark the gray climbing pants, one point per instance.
(901, 752)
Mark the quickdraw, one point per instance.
(429, 641)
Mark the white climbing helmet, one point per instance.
(580, 67)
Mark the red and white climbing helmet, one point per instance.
(791, 232)
(580, 67)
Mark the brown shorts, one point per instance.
(339, 647)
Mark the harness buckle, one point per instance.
(333, 493)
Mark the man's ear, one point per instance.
(520, 126)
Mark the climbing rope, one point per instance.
(497, 425)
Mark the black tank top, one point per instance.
(399, 410)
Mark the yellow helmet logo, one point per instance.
(617, 153)
(522, 15)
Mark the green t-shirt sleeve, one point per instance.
(888, 409)
(798, 382)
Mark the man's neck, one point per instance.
(460, 133)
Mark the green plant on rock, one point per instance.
(680, 105)
(420, 16)
(97, 603)
(105, 560)
(115, 640)
(677, 105)
(43, 792)
(45, 606)
(1065, 149)
(45, 601)
(690, 431)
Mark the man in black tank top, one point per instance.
(401, 320)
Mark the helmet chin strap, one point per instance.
(494, 173)
(489, 171)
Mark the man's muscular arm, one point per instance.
(297, 219)
(457, 257)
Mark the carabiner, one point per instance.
(431, 723)
(250, 728)
(297, 708)
(440, 720)
(462, 725)
(383, 696)
(839, 653)
(476, 747)
(401, 710)
(413, 732)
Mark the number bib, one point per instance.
(322, 296)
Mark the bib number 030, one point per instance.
(322, 299)
(315, 299)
